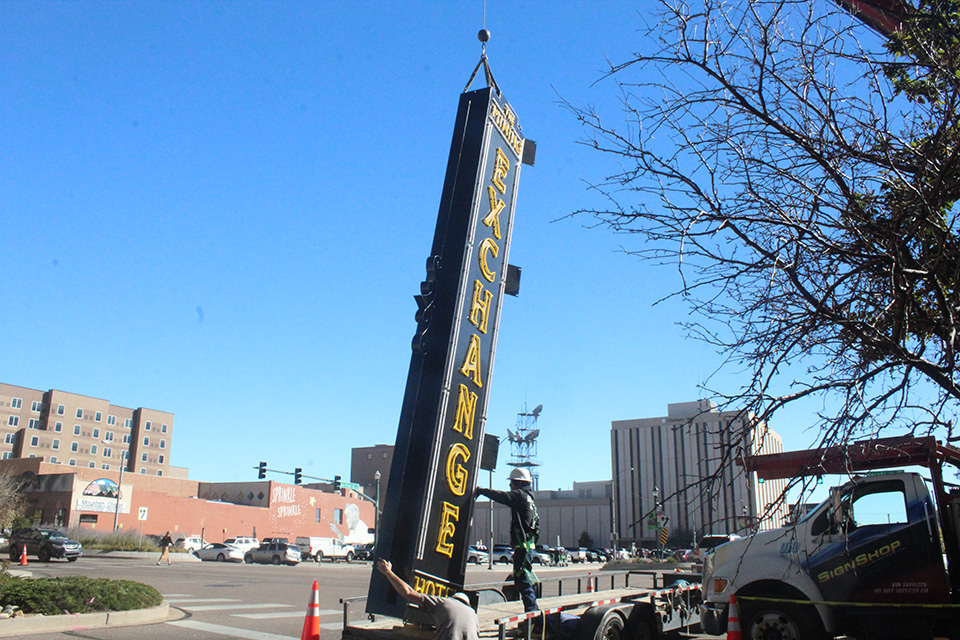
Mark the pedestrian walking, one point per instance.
(165, 543)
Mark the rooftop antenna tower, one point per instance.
(523, 443)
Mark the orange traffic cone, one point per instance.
(23, 556)
(733, 620)
(589, 583)
(311, 623)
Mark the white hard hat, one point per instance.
(520, 475)
(462, 597)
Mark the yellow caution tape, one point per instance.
(886, 605)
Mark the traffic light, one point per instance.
(336, 483)
(296, 475)
(263, 470)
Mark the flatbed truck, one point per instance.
(624, 613)
(879, 558)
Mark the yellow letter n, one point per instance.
(466, 410)
(449, 515)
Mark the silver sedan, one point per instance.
(220, 552)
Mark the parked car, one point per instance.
(577, 554)
(538, 556)
(273, 553)
(502, 553)
(243, 543)
(363, 551)
(476, 556)
(684, 555)
(600, 555)
(45, 544)
(190, 543)
(220, 552)
(329, 548)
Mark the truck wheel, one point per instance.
(611, 628)
(349, 557)
(601, 623)
(781, 622)
(318, 556)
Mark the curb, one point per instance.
(16, 627)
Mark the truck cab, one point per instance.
(874, 541)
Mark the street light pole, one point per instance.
(376, 515)
(656, 509)
(615, 534)
(116, 511)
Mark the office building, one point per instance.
(366, 462)
(679, 472)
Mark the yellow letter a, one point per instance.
(471, 361)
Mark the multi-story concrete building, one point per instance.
(685, 461)
(83, 431)
(366, 462)
(564, 516)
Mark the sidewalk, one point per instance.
(137, 555)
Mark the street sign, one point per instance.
(350, 485)
(142, 514)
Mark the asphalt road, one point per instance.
(212, 600)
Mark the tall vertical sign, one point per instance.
(429, 504)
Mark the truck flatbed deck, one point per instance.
(498, 618)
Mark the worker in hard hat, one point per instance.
(524, 531)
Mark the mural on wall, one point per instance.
(286, 502)
(103, 487)
(102, 496)
(358, 530)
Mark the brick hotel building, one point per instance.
(67, 450)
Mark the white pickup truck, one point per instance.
(866, 562)
(325, 548)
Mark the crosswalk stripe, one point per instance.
(233, 632)
(285, 614)
(199, 600)
(228, 607)
(331, 625)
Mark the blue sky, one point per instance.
(223, 209)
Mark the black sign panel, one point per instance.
(429, 504)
